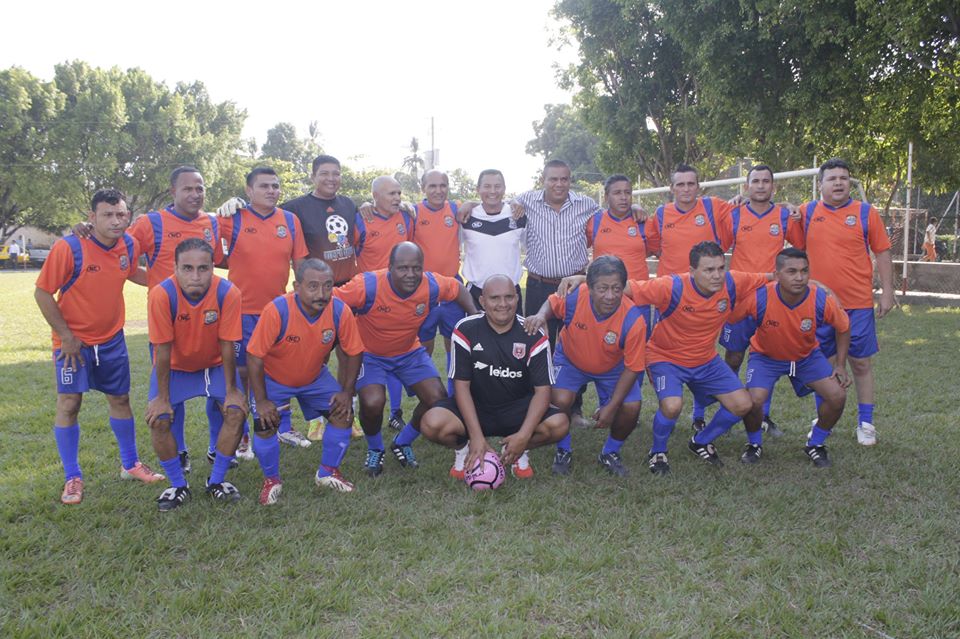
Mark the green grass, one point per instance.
(780, 550)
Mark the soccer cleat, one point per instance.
(459, 462)
(770, 427)
(751, 454)
(224, 491)
(315, 428)
(374, 463)
(818, 455)
(866, 434)
(698, 424)
(333, 481)
(244, 450)
(658, 464)
(404, 455)
(396, 420)
(212, 457)
(270, 493)
(141, 472)
(562, 462)
(173, 497)
(185, 464)
(706, 452)
(294, 438)
(613, 464)
(72, 491)
(521, 469)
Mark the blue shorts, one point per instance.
(863, 335)
(314, 398)
(410, 368)
(248, 322)
(106, 368)
(710, 379)
(208, 382)
(571, 378)
(736, 337)
(763, 371)
(445, 315)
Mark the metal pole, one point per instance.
(813, 180)
(956, 221)
(906, 217)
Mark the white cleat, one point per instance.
(866, 434)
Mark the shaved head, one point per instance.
(406, 250)
(497, 283)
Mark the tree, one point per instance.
(562, 134)
(413, 163)
(463, 186)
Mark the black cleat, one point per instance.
(404, 455)
(212, 457)
(770, 427)
(396, 420)
(698, 424)
(562, 462)
(224, 491)
(185, 464)
(751, 454)
(659, 464)
(613, 464)
(374, 463)
(818, 455)
(706, 452)
(173, 498)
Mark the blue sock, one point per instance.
(406, 436)
(215, 422)
(611, 446)
(375, 442)
(723, 420)
(173, 471)
(755, 438)
(177, 427)
(699, 408)
(818, 436)
(395, 389)
(865, 412)
(220, 467)
(286, 424)
(817, 400)
(565, 443)
(335, 443)
(662, 428)
(267, 450)
(68, 445)
(126, 434)
(766, 404)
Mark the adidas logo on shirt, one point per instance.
(478, 347)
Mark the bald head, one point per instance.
(499, 301)
(405, 251)
(386, 194)
(498, 284)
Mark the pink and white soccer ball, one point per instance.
(486, 475)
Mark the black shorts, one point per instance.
(499, 421)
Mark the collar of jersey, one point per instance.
(306, 316)
(597, 316)
(398, 293)
(202, 297)
(262, 217)
(837, 208)
(681, 211)
(431, 209)
(172, 211)
(103, 246)
(618, 219)
(376, 213)
(761, 215)
(693, 285)
(791, 307)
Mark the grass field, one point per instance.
(868, 548)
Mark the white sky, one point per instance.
(371, 73)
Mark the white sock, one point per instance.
(460, 458)
(523, 462)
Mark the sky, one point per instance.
(372, 74)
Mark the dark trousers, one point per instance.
(537, 293)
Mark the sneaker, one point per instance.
(866, 434)
(521, 469)
(173, 498)
(374, 463)
(334, 481)
(751, 454)
(459, 462)
(562, 462)
(770, 427)
(658, 464)
(270, 493)
(396, 420)
(224, 491)
(356, 430)
(613, 464)
(185, 464)
(698, 424)
(404, 455)
(706, 452)
(315, 428)
(212, 457)
(141, 472)
(818, 455)
(244, 449)
(72, 491)
(294, 438)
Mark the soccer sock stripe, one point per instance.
(335, 443)
(865, 413)
(565, 443)
(68, 445)
(722, 421)
(662, 428)
(221, 464)
(126, 434)
(267, 450)
(173, 471)
(818, 436)
(406, 436)
(177, 427)
(215, 422)
(612, 445)
(375, 442)
(395, 389)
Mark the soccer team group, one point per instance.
(374, 285)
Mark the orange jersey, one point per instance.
(194, 329)
(389, 322)
(596, 344)
(159, 232)
(294, 347)
(690, 321)
(672, 232)
(259, 253)
(758, 237)
(789, 333)
(838, 241)
(89, 278)
(375, 239)
(437, 233)
(623, 238)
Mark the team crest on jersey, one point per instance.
(632, 231)
(721, 306)
(124, 262)
(851, 220)
(421, 309)
(806, 324)
(699, 220)
(519, 350)
(209, 317)
(610, 338)
(327, 336)
(281, 231)
(401, 229)
(448, 221)
(774, 230)
(207, 235)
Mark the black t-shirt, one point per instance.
(501, 368)
(328, 231)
